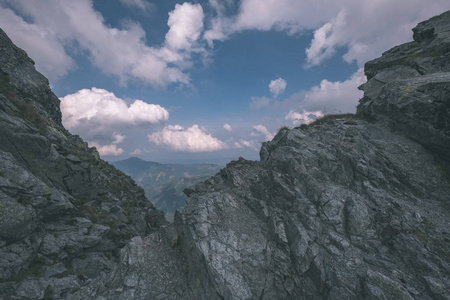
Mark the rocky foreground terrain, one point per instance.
(350, 207)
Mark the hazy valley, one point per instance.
(164, 183)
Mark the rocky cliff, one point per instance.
(64, 213)
(350, 207)
(346, 208)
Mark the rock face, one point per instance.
(343, 209)
(346, 208)
(64, 213)
(408, 88)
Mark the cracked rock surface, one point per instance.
(332, 211)
(347, 208)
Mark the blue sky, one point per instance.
(204, 81)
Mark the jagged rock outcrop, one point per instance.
(64, 213)
(345, 208)
(408, 89)
(351, 208)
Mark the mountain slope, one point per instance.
(164, 183)
(350, 207)
(64, 213)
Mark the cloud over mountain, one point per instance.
(327, 97)
(305, 117)
(99, 116)
(112, 149)
(262, 130)
(192, 139)
(98, 107)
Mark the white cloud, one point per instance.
(245, 144)
(96, 107)
(289, 15)
(182, 40)
(280, 14)
(324, 41)
(137, 151)
(259, 102)
(119, 52)
(192, 139)
(98, 115)
(227, 127)
(303, 118)
(365, 28)
(41, 44)
(107, 150)
(260, 129)
(337, 96)
(186, 25)
(143, 5)
(111, 149)
(277, 86)
(329, 96)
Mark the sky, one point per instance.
(204, 81)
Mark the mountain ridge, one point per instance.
(164, 183)
(65, 213)
(351, 207)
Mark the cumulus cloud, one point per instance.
(336, 96)
(182, 39)
(111, 149)
(227, 127)
(303, 118)
(262, 130)
(192, 139)
(352, 24)
(94, 107)
(119, 52)
(186, 25)
(277, 86)
(329, 96)
(98, 116)
(357, 27)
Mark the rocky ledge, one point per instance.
(349, 207)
